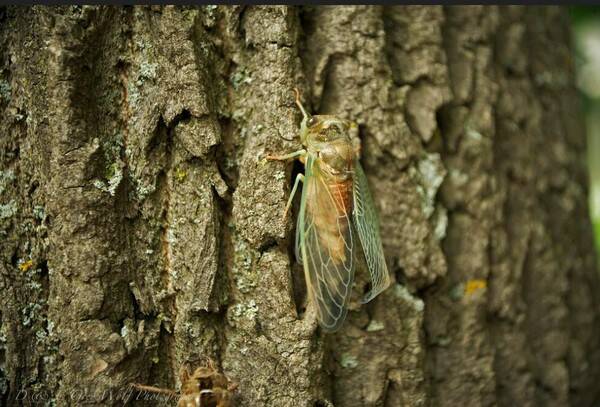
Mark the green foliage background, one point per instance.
(587, 48)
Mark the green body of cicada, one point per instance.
(335, 209)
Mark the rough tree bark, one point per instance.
(141, 232)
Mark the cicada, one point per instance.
(205, 387)
(336, 212)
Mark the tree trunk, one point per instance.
(142, 232)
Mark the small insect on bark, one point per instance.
(206, 387)
(336, 207)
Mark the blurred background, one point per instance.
(586, 37)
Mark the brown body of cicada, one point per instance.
(205, 387)
(336, 211)
(331, 219)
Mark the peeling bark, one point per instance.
(142, 232)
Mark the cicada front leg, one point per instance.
(295, 154)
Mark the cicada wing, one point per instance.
(367, 227)
(298, 250)
(325, 246)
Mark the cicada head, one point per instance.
(332, 138)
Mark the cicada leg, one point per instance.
(299, 178)
(153, 389)
(286, 157)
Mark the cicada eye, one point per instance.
(311, 122)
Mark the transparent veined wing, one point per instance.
(367, 227)
(325, 246)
